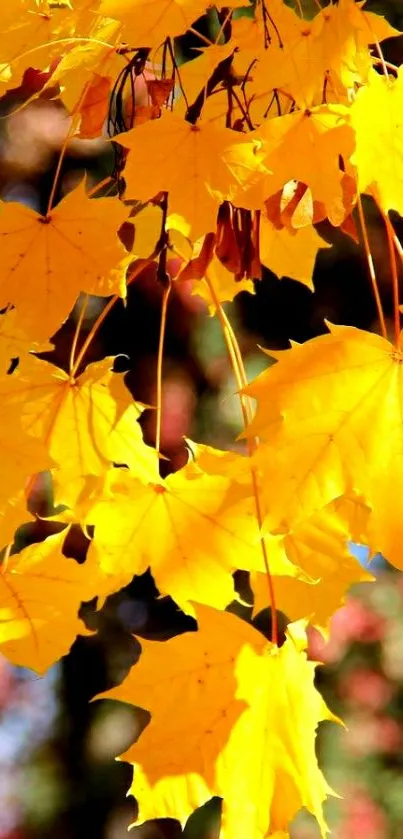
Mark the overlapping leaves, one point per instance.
(223, 164)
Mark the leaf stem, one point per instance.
(94, 189)
(77, 332)
(371, 268)
(68, 136)
(395, 277)
(238, 368)
(164, 308)
(105, 311)
(393, 266)
(72, 40)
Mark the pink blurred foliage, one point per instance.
(362, 818)
(366, 688)
(367, 735)
(353, 622)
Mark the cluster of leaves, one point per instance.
(223, 163)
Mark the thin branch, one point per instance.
(238, 368)
(371, 268)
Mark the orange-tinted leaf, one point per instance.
(94, 107)
(147, 23)
(198, 165)
(74, 248)
(306, 147)
(290, 253)
(224, 284)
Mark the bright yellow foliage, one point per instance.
(146, 23)
(376, 119)
(220, 166)
(319, 547)
(288, 252)
(66, 239)
(331, 408)
(40, 595)
(86, 422)
(215, 702)
(139, 525)
(199, 165)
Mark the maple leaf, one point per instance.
(94, 106)
(40, 595)
(69, 256)
(40, 32)
(86, 422)
(24, 26)
(86, 72)
(331, 409)
(288, 252)
(351, 31)
(224, 284)
(139, 525)
(196, 72)
(291, 64)
(306, 147)
(12, 515)
(241, 697)
(329, 53)
(21, 456)
(14, 343)
(198, 165)
(147, 23)
(319, 546)
(377, 122)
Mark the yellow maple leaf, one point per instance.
(291, 63)
(319, 547)
(69, 255)
(40, 595)
(21, 456)
(12, 515)
(39, 33)
(306, 57)
(139, 525)
(239, 697)
(196, 72)
(288, 252)
(27, 25)
(225, 286)
(331, 409)
(339, 37)
(368, 28)
(147, 23)
(14, 343)
(377, 122)
(306, 146)
(86, 422)
(86, 72)
(198, 165)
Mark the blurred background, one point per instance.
(58, 777)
